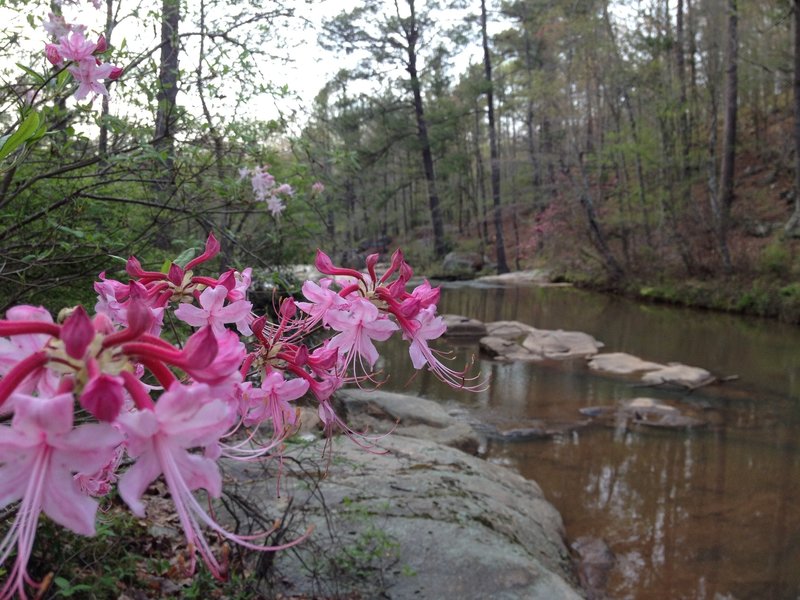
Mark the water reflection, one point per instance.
(700, 514)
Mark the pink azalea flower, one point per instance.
(77, 48)
(56, 26)
(39, 453)
(359, 324)
(273, 402)
(275, 205)
(262, 183)
(88, 74)
(284, 189)
(429, 327)
(213, 312)
(184, 418)
(321, 300)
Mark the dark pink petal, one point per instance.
(103, 397)
(212, 249)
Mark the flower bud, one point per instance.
(102, 45)
(52, 54)
(115, 74)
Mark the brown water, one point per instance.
(704, 514)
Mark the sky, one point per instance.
(305, 72)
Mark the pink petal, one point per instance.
(136, 479)
(64, 502)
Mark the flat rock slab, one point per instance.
(678, 374)
(508, 330)
(381, 412)
(534, 276)
(539, 344)
(418, 521)
(463, 327)
(502, 348)
(621, 363)
(561, 344)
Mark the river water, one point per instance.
(712, 513)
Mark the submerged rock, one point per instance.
(419, 520)
(595, 561)
(646, 412)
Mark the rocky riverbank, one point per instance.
(411, 516)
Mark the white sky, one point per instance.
(310, 67)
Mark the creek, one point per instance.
(706, 513)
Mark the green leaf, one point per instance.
(165, 266)
(24, 132)
(185, 257)
(36, 77)
(61, 78)
(75, 232)
(62, 583)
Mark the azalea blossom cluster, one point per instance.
(93, 403)
(267, 189)
(81, 55)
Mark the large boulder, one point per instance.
(380, 412)
(462, 264)
(411, 519)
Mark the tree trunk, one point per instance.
(793, 226)
(439, 245)
(725, 199)
(502, 265)
(102, 140)
(166, 117)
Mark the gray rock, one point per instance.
(508, 330)
(462, 264)
(418, 521)
(463, 327)
(501, 348)
(678, 374)
(561, 344)
(621, 363)
(534, 276)
(645, 412)
(381, 412)
(595, 561)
